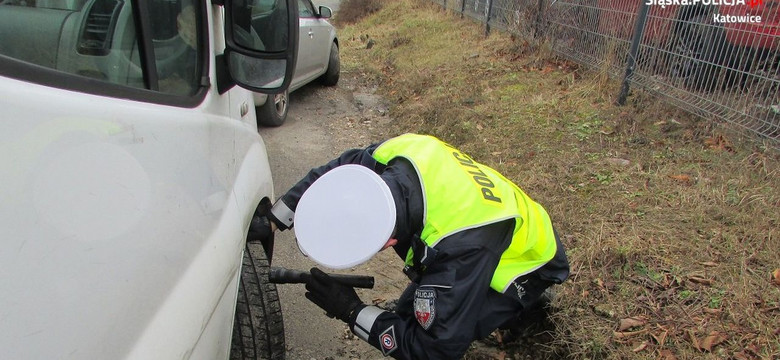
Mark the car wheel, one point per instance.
(700, 50)
(331, 76)
(274, 111)
(258, 329)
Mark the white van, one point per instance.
(130, 170)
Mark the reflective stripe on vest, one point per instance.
(473, 195)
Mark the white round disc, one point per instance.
(345, 217)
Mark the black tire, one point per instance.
(258, 329)
(701, 52)
(331, 76)
(274, 112)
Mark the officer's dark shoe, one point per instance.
(533, 319)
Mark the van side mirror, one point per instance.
(261, 43)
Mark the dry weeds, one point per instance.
(671, 222)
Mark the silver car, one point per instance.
(318, 59)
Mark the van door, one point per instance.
(126, 186)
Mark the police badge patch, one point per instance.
(425, 307)
(387, 341)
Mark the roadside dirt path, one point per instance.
(322, 123)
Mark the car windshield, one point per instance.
(99, 39)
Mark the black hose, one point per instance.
(279, 275)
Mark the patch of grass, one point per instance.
(664, 215)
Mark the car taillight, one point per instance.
(744, 28)
(769, 10)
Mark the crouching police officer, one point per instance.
(478, 250)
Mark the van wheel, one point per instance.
(700, 50)
(274, 112)
(331, 76)
(258, 329)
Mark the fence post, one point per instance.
(488, 10)
(639, 29)
(462, 7)
(445, 5)
(539, 17)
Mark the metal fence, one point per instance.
(718, 61)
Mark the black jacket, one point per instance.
(450, 303)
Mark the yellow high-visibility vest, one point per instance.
(460, 194)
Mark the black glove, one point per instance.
(338, 300)
(259, 228)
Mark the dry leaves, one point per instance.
(751, 352)
(686, 179)
(601, 285)
(713, 339)
(378, 300)
(719, 142)
(712, 311)
(708, 342)
(618, 161)
(660, 339)
(628, 334)
(641, 347)
(631, 322)
(499, 338)
(701, 280)
(666, 355)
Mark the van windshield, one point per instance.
(99, 39)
